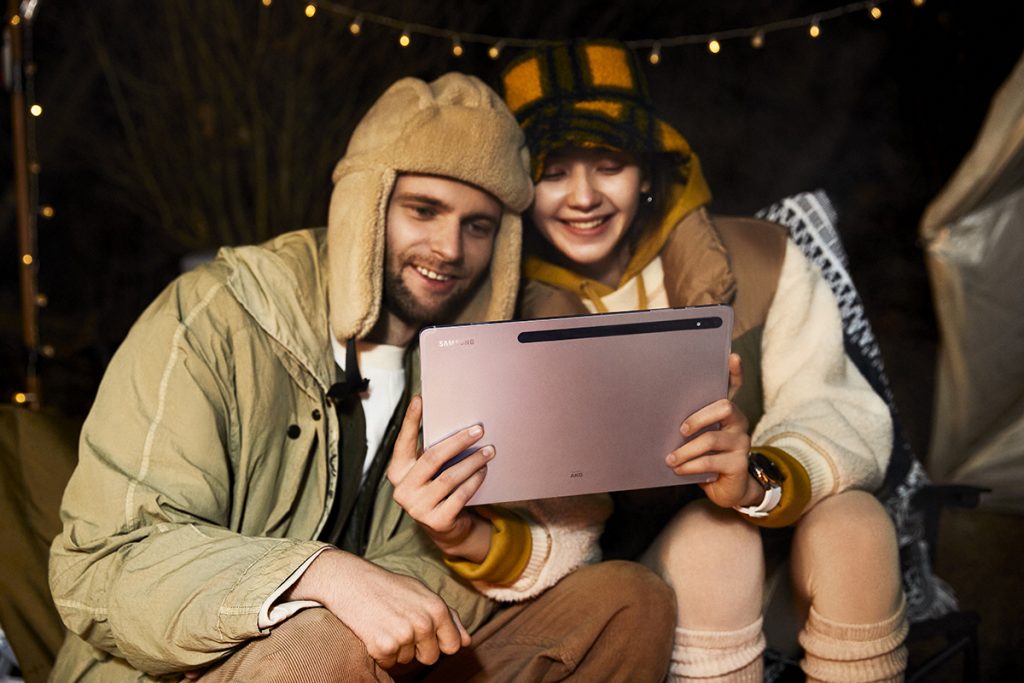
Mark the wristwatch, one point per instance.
(767, 474)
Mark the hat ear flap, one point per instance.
(356, 240)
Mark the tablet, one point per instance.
(579, 404)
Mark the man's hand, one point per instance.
(439, 504)
(722, 451)
(396, 617)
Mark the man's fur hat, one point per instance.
(456, 127)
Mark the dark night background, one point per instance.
(176, 126)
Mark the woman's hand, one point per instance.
(721, 451)
(735, 374)
(438, 501)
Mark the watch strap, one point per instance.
(771, 499)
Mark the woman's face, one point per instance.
(585, 203)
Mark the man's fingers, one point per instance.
(406, 653)
(386, 660)
(406, 451)
(453, 503)
(463, 633)
(427, 650)
(451, 634)
(427, 647)
(409, 433)
(452, 479)
(435, 457)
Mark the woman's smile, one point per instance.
(585, 204)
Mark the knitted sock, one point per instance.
(855, 653)
(718, 656)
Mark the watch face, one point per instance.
(768, 470)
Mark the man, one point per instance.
(229, 518)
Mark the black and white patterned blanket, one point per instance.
(811, 222)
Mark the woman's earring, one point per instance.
(646, 197)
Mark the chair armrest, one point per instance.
(931, 498)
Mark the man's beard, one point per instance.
(400, 301)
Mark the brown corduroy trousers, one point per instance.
(612, 621)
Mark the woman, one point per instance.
(619, 223)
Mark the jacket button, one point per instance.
(316, 414)
(294, 431)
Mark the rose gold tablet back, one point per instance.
(575, 405)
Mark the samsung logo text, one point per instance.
(447, 343)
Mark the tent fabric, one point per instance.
(38, 452)
(973, 232)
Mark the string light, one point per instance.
(456, 46)
(714, 47)
(310, 10)
(267, 3)
(18, 60)
(28, 9)
(655, 57)
(918, 3)
(755, 34)
(46, 211)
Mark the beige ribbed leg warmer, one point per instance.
(714, 562)
(845, 565)
(854, 653)
(718, 656)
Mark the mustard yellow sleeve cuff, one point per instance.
(796, 489)
(511, 545)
